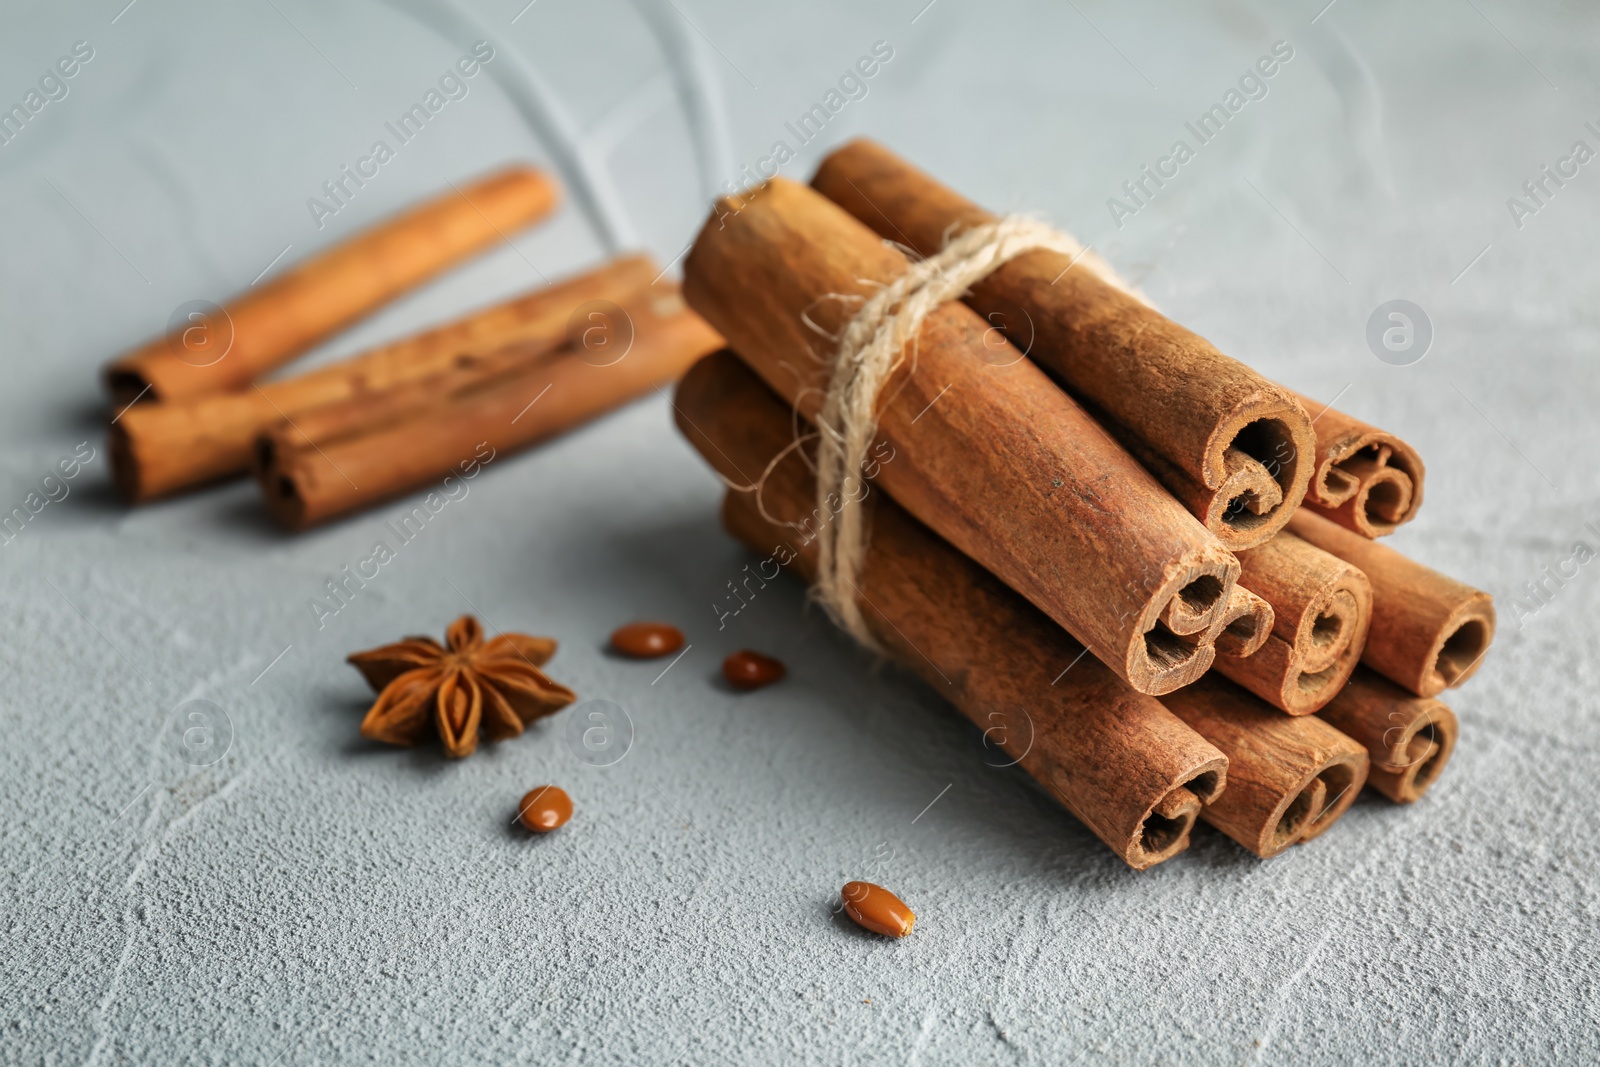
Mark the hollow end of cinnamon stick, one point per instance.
(1365, 479)
(1322, 615)
(1429, 631)
(1410, 739)
(1459, 647)
(1165, 829)
(1258, 470)
(1289, 778)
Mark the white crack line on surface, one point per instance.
(153, 848)
(111, 992)
(1279, 1002)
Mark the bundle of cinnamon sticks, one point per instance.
(195, 407)
(1110, 484)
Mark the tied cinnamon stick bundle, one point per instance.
(1116, 759)
(1409, 738)
(1364, 479)
(999, 461)
(1322, 609)
(449, 421)
(160, 449)
(1429, 632)
(266, 327)
(1231, 445)
(1289, 779)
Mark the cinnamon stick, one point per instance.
(1233, 446)
(356, 464)
(266, 327)
(1116, 759)
(1409, 738)
(1429, 632)
(160, 449)
(999, 461)
(1289, 778)
(605, 334)
(1365, 480)
(1322, 608)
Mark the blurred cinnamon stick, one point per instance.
(999, 461)
(1429, 631)
(266, 327)
(1364, 479)
(160, 449)
(1322, 608)
(1116, 759)
(1231, 445)
(357, 460)
(1289, 778)
(1409, 738)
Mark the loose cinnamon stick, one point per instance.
(1322, 608)
(1409, 738)
(1116, 759)
(1233, 446)
(998, 460)
(1289, 779)
(160, 449)
(1429, 632)
(271, 325)
(1365, 480)
(360, 465)
(607, 334)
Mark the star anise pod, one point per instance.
(461, 687)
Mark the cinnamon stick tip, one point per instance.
(1462, 645)
(1164, 830)
(124, 467)
(125, 383)
(283, 500)
(1341, 782)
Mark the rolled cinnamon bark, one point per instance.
(998, 460)
(605, 335)
(1289, 779)
(160, 449)
(1246, 626)
(1322, 608)
(356, 464)
(1409, 738)
(1116, 759)
(269, 326)
(1429, 632)
(1364, 479)
(1233, 446)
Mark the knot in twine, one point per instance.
(869, 352)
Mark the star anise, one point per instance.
(468, 685)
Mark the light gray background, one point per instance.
(311, 898)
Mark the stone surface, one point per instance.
(311, 898)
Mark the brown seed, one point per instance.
(647, 640)
(545, 808)
(751, 670)
(874, 908)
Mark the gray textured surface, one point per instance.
(313, 899)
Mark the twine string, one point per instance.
(871, 348)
